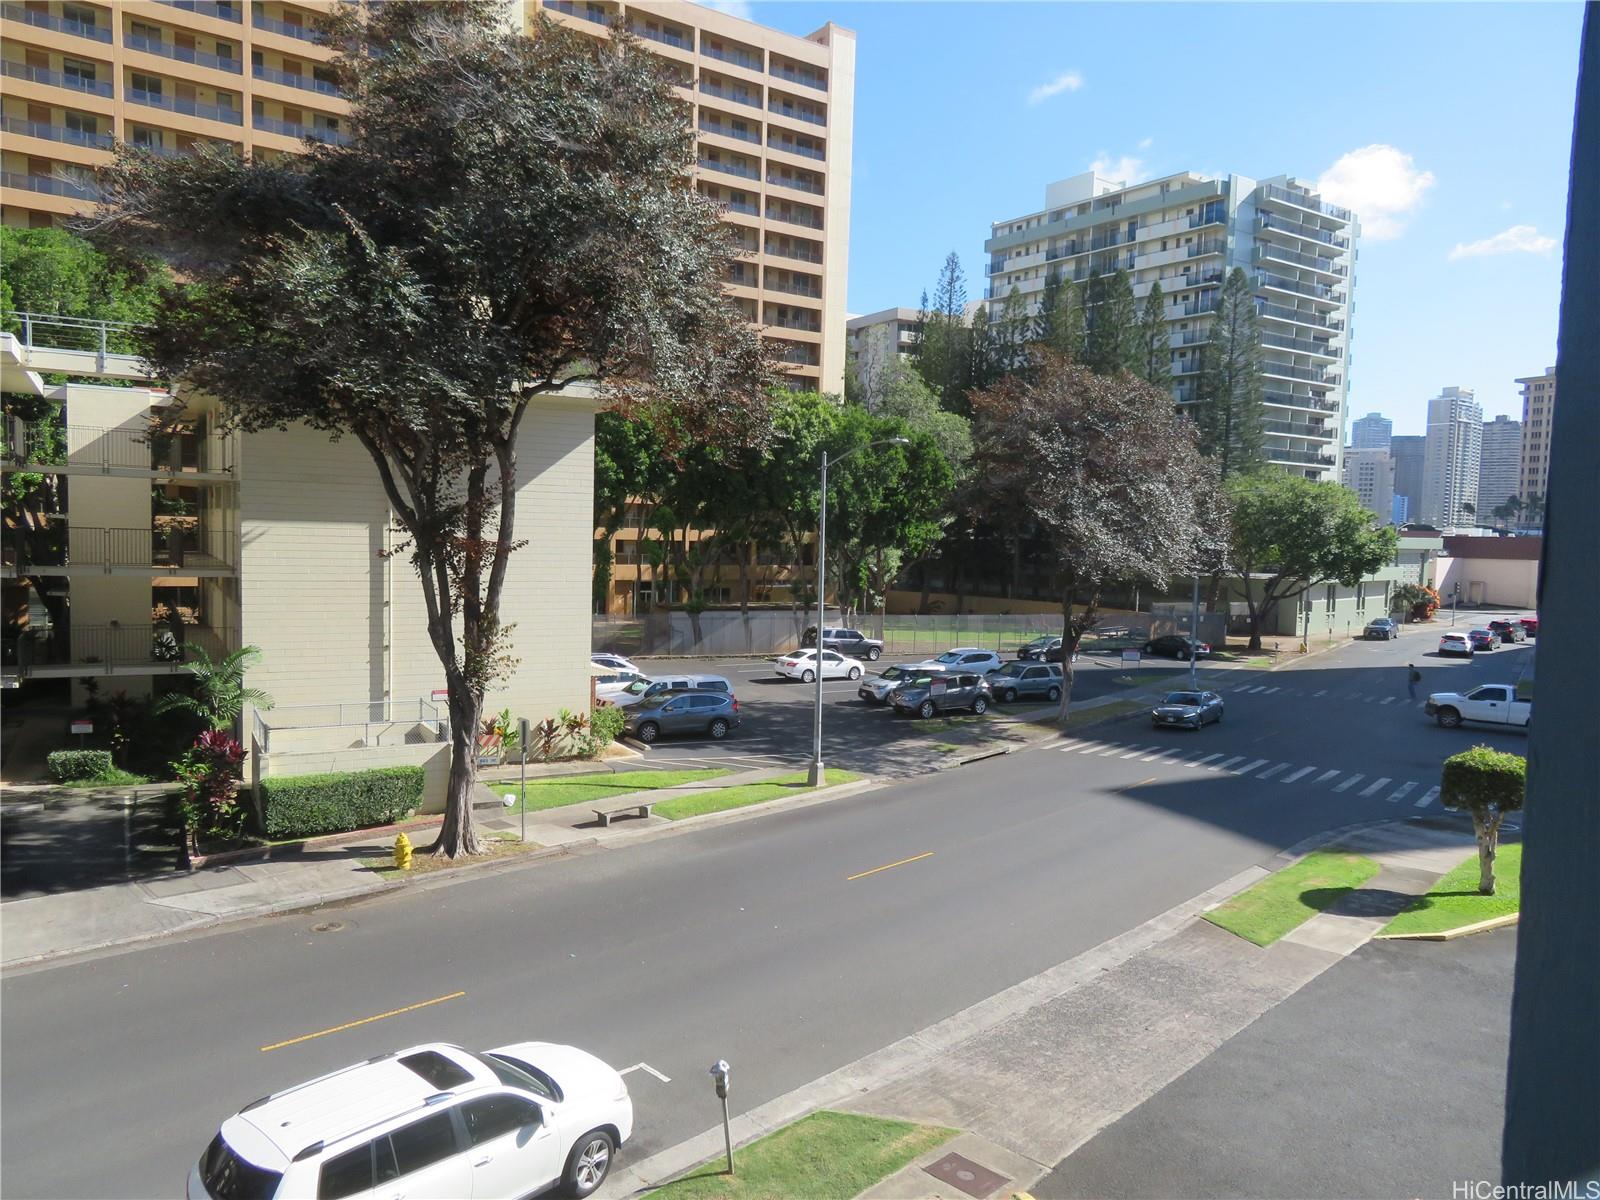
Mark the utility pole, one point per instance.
(1194, 635)
(818, 774)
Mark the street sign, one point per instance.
(1131, 656)
(439, 695)
(83, 727)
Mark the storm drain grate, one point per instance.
(967, 1175)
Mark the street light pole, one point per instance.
(816, 776)
(1194, 636)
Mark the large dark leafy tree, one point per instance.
(510, 219)
(1291, 534)
(1227, 403)
(1108, 475)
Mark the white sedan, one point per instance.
(614, 662)
(802, 665)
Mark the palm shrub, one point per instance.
(220, 693)
(1489, 784)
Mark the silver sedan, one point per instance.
(1188, 710)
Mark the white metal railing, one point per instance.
(43, 331)
(381, 722)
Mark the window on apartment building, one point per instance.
(150, 139)
(143, 29)
(150, 84)
(76, 68)
(80, 13)
(82, 123)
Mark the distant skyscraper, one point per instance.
(1370, 473)
(1450, 458)
(1500, 468)
(1371, 432)
(1538, 408)
(1397, 510)
(1406, 450)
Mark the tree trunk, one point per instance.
(458, 835)
(1488, 831)
(1069, 650)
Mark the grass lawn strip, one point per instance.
(744, 794)
(585, 789)
(114, 778)
(1454, 901)
(501, 843)
(827, 1154)
(1265, 912)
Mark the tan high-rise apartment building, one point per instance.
(773, 115)
(1538, 411)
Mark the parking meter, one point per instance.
(719, 1072)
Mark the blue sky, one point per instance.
(1456, 120)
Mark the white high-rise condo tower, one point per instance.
(1450, 459)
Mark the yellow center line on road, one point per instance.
(890, 866)
(394, 1012)
(1140, 784)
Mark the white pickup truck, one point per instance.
(1490, 703)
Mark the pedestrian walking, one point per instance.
(1413, 677)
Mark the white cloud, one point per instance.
(1067, 81)
(733, 8)
(1125, 169)
(1381, 183)
(1519, 239)
(1146, 143)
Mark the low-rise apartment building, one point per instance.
(280, 540)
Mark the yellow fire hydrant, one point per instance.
(402, 852)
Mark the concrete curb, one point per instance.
(1450, 935)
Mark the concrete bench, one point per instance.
(605, 815)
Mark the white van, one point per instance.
(638, 690)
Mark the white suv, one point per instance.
(434, 1120)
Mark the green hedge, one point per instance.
(606, 723)
(1483, 779)
(305, 805)
(70, 766)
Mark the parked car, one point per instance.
(851, 643)
(802, 665)
(1192, 709)
(614, 661)
(1531, 625)
(1046, 648)
(875, 689)
(609, 687)
(928, 692)
(1381, 629)
(1482, 639)
(965, 658)
(1455, 643)
(1490, 703)
(432, 1120)
(1175, 645)
(641, 689)
(711, 713)
(1508, 631)
(1025, 679)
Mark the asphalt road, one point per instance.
(746, 941)
(1384, 1076)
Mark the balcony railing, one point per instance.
(792, 147)
(1171, 283)
(796, 323)
(793, 217)
(223, 10)
(1300, 345)
(295, 130)
(173, 548)
(1271, 250)
(586, 12)
(1285, 371)
(797, 114)
(90, 447)
(1303, 200)
(728, 131)
(665, 36)
(800, 253)
(192, 108)
(799, 185)
(22, 127)
(800, 77)
(1289, 400)
(1305, 457)
(722, 93)
(45, 331)
(1193, 308)
(1213, 245)
(795, 289)
(94, 87)
(305, 33)
(134, 41)
(750, 62)
(803, 356)
(729, 168)
(1296, 229)
(1302, 316)
(103, 649)
(1319, 291)
(51, 186)
(309, 83)
(45, 20)
(1296, 429)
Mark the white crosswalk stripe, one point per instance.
(1427, 797)
(1401, 792)
(1269, 691)
(1090, 748)
(1223, 766)
(1325, 776)
(1245, 770)
(1349, 783)
(1068, 747)
(1375, 788)
(1161, 755)
(1109, 751)
(1253, 690)
(1300, 774)
(1387, 700)
(1200, 762)
(1273, 770)
(1323, 692)
(1138, 750)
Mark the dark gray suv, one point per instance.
(1025, 680)
(709, 713)
(929, 692)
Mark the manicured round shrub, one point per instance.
(75, 766)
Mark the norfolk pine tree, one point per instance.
(1155, 343)
(507, 220)
(1227, 406)
(1113, 337)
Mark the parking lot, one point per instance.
(776, 717)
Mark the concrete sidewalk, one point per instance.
(39, 928)
(1034, 1072)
